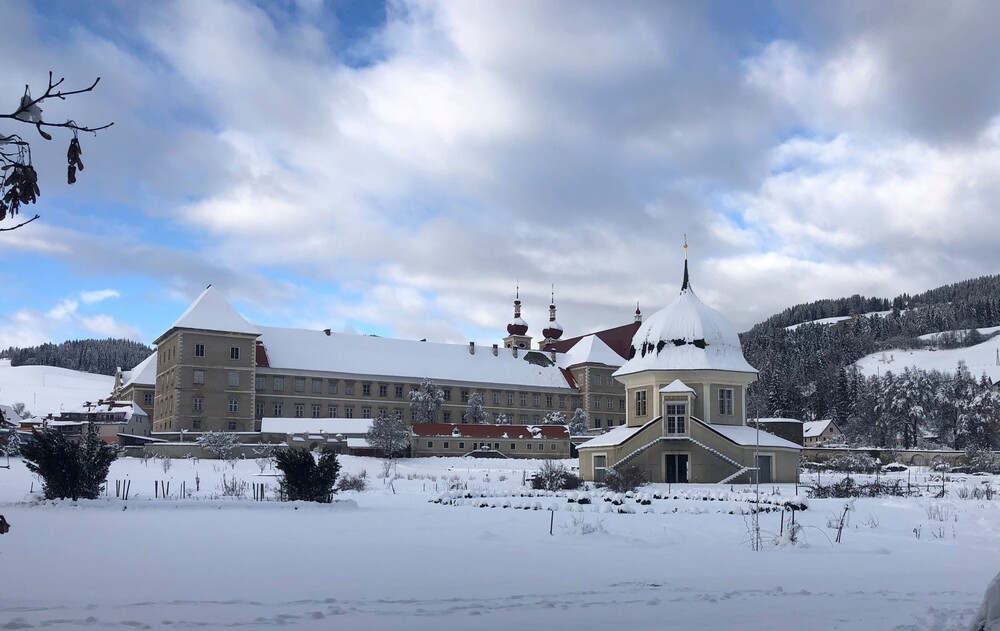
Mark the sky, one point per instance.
(402, 169)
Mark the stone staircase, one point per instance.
(730, 478)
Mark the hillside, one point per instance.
(49, 390)
(101, 357)
(802, 351)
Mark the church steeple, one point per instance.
(554, 330)
(686, 284)
(517, 330)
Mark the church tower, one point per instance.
(517, 330)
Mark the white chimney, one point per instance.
(472, 348)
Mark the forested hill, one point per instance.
(800, 360)
(101, 357)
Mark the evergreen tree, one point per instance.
(389, 434)
(303, 477)
(579, 425)
(69, 469)
(425, 402)
(554, 418)
(474, 413)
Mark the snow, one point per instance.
(933, 337)
(590, 349)
(211, 312)
(686, 320)
(143, 374)
(981, 358)
(749, 436)
(48, 390)
(677, 386)
(397, 559)
(615, 436)
(836, 319)
(355, 355)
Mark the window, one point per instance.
(524, 399)
(259, 409)
(276, 408)
(234, 352)
(260, 383)
(726, 401)
(597, 422)
(199, 350)
(611, 403)
(536, 400)
(366, 390)
(316, 410)
(383, 390)
(562, 401)
(197, 404)
(300, 384)
(621, 404)
(597, 403)
(445, 445)
(496, 398)
(552, 447)
(299, 410)
(383, 412)
(399, 392)
(600, 468)
(232, 426)
(447, 394)
(675, 419)
(529, 446)
(234, 378)
(461, 445)
(510, 398)
(465, 396)
(349, 412)
(640, 403)
(199, 377)
(333, 411)
(349, 388)
(333, 386)
(430, 443)
(447, 417)
(597, 380)
(234, 406)
(548, 400)
(317, 386)
(147, 398)
(366, 412)
(513, 446)
(279, 384)
(196, 423)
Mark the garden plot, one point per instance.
(389, 557)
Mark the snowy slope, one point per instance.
(981, 358)
(48, 390)
(836, 319)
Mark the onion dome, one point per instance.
(517, 326)
(554, 330)
(638, 314)
(686, 335)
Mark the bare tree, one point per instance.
(19, 181)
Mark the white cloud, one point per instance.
(90, 297)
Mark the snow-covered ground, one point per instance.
(384, 560)
(980, 359)
(49, 390)
(836, 319)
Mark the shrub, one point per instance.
(554, 476)
(854, 462)
(69, 469)
(303, 478)
(628, 479)
(348, 482)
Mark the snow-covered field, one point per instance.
(980, 359)
(384, 560)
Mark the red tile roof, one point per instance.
(618, 338)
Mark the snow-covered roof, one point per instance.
(813, 429)
(211, 312)
(749, 436)
(448, 430)
(317, 351)
(590, 350)
(614, 437)
(127, 409)
(10, 417)
(332, 426)
(779, 420)
(686, 335)
(143, 374)
(358, 443)
(677, 386)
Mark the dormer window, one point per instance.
(675, 419)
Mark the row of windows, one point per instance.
(234, 351)
(608, 402)
(485, 445)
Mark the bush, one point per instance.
(628, 479)
(348, 482)
(69, 469)
(303, 478)
(554, 476)
(853, 463)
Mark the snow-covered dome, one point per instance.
(686, 335)
(554, 330)
(517, 326)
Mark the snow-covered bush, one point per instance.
(554, 476)
(69, 469)
(353, 482)
(305, 478)
(628, 479)
(853, 462)
(222, 445)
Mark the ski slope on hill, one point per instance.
(981, 359)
